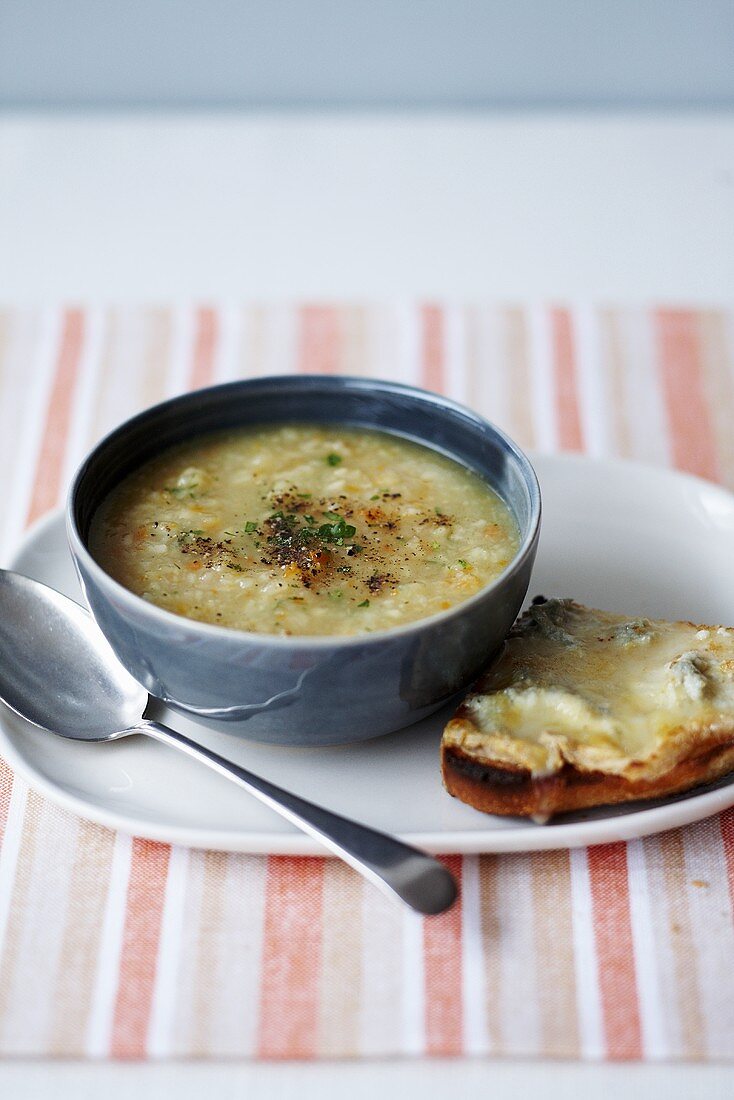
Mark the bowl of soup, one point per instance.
(305, 560)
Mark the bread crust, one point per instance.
(511, 791)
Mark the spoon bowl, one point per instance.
(57, 666)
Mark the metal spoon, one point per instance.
(58, 672)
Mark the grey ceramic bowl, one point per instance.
(302, 690)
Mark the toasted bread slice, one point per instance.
(586, 708)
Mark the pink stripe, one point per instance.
(681, 374)
(289, 997)
(615, 950)
(320, 340)
(432, 324)
(205, 343)
(564, 369)
(442, 945)
(47, 483)
(141, 936)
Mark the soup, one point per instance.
(303, 529)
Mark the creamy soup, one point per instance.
(303, 529)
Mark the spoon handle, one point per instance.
(417, 879)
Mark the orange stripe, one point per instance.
(726, 820)
(615, 952)
(432, 324)
(320, 340)
(681, 374)
(141, 935)
(442, 946)
(289, 1000)
(564, 371)
(205, 343)
(47, 483)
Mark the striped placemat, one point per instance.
(122, 948)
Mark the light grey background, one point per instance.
(315, 54)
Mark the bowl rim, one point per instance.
(310, 641)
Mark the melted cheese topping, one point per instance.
(598, 690)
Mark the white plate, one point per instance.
(615, 535)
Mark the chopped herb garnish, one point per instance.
(463, 564)
(250, 526)
(336, 594)
(304, 496)
(235, 565)
(336, 532)
(364, 603)
(333, 459)
(375, 497)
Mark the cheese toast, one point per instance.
(587, 708)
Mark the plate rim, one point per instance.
(524, 838)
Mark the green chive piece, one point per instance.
(364, 603)
(334, 460)
(250, 527)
